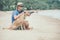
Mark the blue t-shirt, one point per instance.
(15, 13)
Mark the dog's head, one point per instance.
(27, 13)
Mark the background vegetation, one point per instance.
(30, 4)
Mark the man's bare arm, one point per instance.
(15, 17)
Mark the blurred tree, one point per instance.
(1, 5)
(30, 4)
(53, 4)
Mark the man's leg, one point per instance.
(11, 27)
(15, 25)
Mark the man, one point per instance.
(18, 18)
(18, 11)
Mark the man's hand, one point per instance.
(15, 17)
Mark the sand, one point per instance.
(46, 26)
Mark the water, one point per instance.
(50, 13)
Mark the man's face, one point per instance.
(19, 8)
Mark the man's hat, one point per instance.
(20, 4)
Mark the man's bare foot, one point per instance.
(6, 28)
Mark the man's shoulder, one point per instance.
(15, 11)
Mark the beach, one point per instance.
(45, 23)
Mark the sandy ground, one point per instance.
(46, 26)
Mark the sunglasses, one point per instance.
(20, 6)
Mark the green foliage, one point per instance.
(30, 4)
